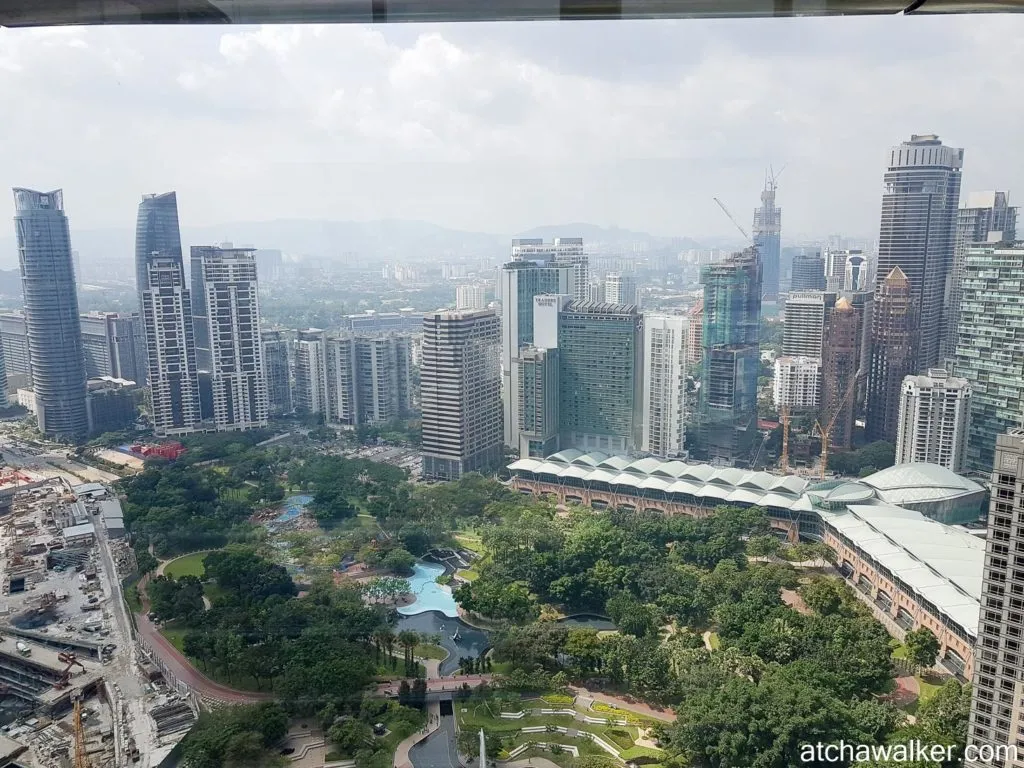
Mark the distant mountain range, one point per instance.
(338, 241)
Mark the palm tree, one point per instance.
(408, 640)
(381, 638)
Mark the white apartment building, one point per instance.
(797, 381)
(664, 387)
(237, 375)
(935, 412)
(310, 392)
(470, 296)
(170, 347)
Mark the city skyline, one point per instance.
(682, 90)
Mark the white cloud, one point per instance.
(501, 127)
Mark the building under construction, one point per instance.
(839, 364)
(894, 332)
(730, 363)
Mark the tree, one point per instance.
(408, 640)
(350, 735)
(922, 646)
(763, 546)
(823, 596)
(399, 560)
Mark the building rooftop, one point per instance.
(942, 563)
(79, 530)
(88, 488)
(918, 482)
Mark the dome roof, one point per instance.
(919, 481)
(843, 305)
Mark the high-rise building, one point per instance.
(14, 337)
(369, 378)
(520, 281)
(808, 272)
(269, 264)
(987, 218)
(990, 345)
(934, 415)
(170, 346)
(620, 289)
(470, 296)
(310, 393)
(767, 234)
(996, 716)
(694, 350)
(797, 382)
(894, 332)
(840, 362)
(856, 277)
(561, 252)
(727, 410)
(600, 351)
(835, 264)
(595, 291)
(460, 383)
(114, 345)
(807, 312)
(537, 373)
(275, 362)
(156, 232)
(406, 320)
(227, 278)
(51, 313)
(665, 358)
(919, 212)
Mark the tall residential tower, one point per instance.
(460, 383)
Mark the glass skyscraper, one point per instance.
(987, 218)
(156, 232)
(600, 381)
(51, 313)
(522, 280)
(919, 212)
(727, 411)
(990, 345)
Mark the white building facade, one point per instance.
(935, 413)
(664, 387)
(797, 382)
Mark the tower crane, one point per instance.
(81, 759)
(826, 431)
(733, 220)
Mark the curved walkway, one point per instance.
(636, 707)
(180, 666)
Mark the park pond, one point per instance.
(453, 634)
(427, 593)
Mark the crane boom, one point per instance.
(732, 219)
(826, 432)
(81, 758)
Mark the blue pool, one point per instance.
(430, 596)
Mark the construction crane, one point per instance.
(784, 458)
(81, 759)
(71, 661)
(826, 432)
(733, 220)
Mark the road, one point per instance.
(122, 671)
(439, 749)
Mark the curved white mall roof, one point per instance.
(703, 480)
(919, 482)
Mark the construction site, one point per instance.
(76, 690)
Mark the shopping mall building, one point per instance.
(897, 534)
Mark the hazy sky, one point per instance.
(500, 127)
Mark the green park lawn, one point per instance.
(928, 689)
(189, 565)
(715, 640)
(430, 651)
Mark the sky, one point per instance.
(502, 127)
